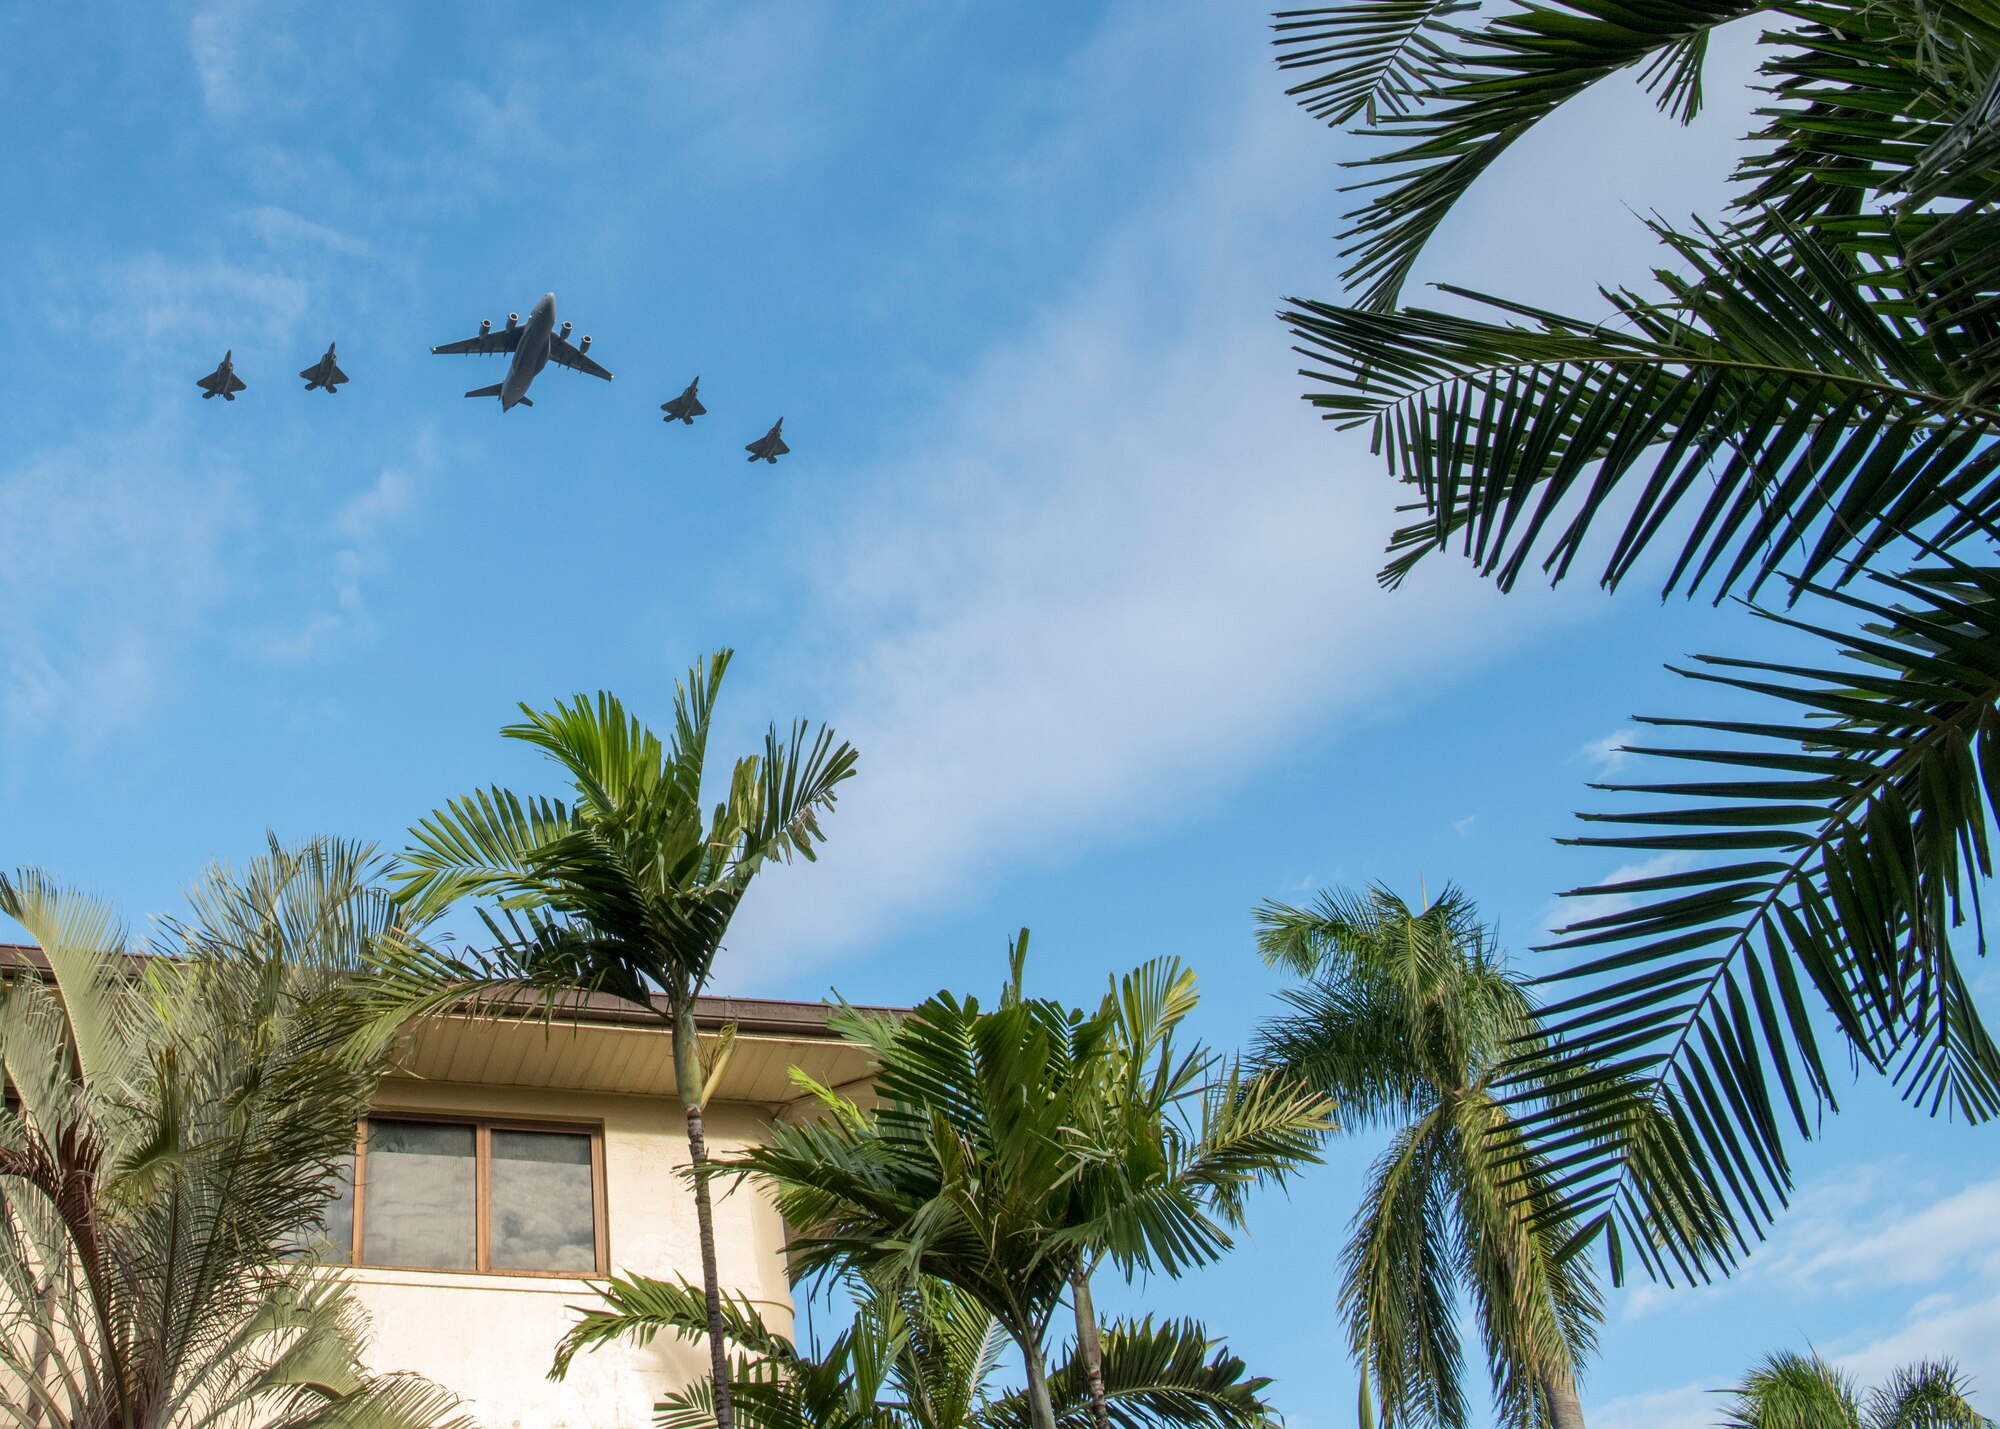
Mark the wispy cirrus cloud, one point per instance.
(112, 552)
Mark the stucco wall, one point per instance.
(491, 1337)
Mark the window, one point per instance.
(433, 1194)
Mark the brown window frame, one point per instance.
(483, 1128)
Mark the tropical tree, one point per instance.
(923, 1356)
(1407, 1019)
(174, 1131)
(628, 890)
(976, 1170)
(1794, 1391)
(1800, 401)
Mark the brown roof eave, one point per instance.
(769, 1017)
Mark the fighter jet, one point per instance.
(534, 344)
(686, 407)
(770, 446)
(324, 373)
(223, 382)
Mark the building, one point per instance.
(510, 1161)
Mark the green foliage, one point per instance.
(1016, 1145)
(1802, 400)
(627, 889)
(180, 1125)
(1406, 1019)
(630, 885)
(924, 1357)
(1794, 1391)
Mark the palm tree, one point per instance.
(976, 1171)
(1805, 400)
(1794, 1391)
(176, 1129)
(923, 1357)
(1406, 1019)
(628, 890)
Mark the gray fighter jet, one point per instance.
(223, 382)
(534, 344)
(686, 407)
(324, 373)
(770, 446)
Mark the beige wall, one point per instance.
(491, 1337)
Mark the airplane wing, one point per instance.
(565, 354)
(335, 375)
(237, 384)
(778, 447)
(503, 339)
(210, 383)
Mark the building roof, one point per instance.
(601, 1043)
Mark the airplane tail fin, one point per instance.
(525, 402)
(493, 391)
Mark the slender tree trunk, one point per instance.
(1041, 1412)
(1565, 1409)
(1089, 1347)
(687, 1080)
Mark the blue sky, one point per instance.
(1058, 547)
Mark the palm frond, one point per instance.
(1846, 838)
(1451, 111)
(639, 1307)
(1800, 421)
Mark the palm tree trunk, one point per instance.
(1041, 1412)
(687, 1081)
(1089, 1347)
(1565, 1409)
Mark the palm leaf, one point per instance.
(1843, 841)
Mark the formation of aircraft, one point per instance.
(223, 382)
(686, 407)
(324, 373)
(770, 446)
(530, 346)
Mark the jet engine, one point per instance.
(564, 334)
(513, 321)
(584, 346)
(485, 326)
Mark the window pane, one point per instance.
(332, 1240)
(420, 1195)
(544, 1215)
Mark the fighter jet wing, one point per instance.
(778, 447)
(565, 354)
(504, 339)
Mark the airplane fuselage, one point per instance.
(531, 354)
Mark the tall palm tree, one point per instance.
(1406, 1018)
(627, 890)
(177, 1132)
(1794, 1391)
(969, 1172)
(1805, 400)
(924, 1357)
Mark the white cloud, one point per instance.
(1967, 1331)
(232, 47)
(1127, 567)
(1607, 755)
(1689, 1407)
(363, 524)
(110, 555)
(1567, 912)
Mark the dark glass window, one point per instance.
(542, 1202)
(470, 1195)
(422, 1185)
